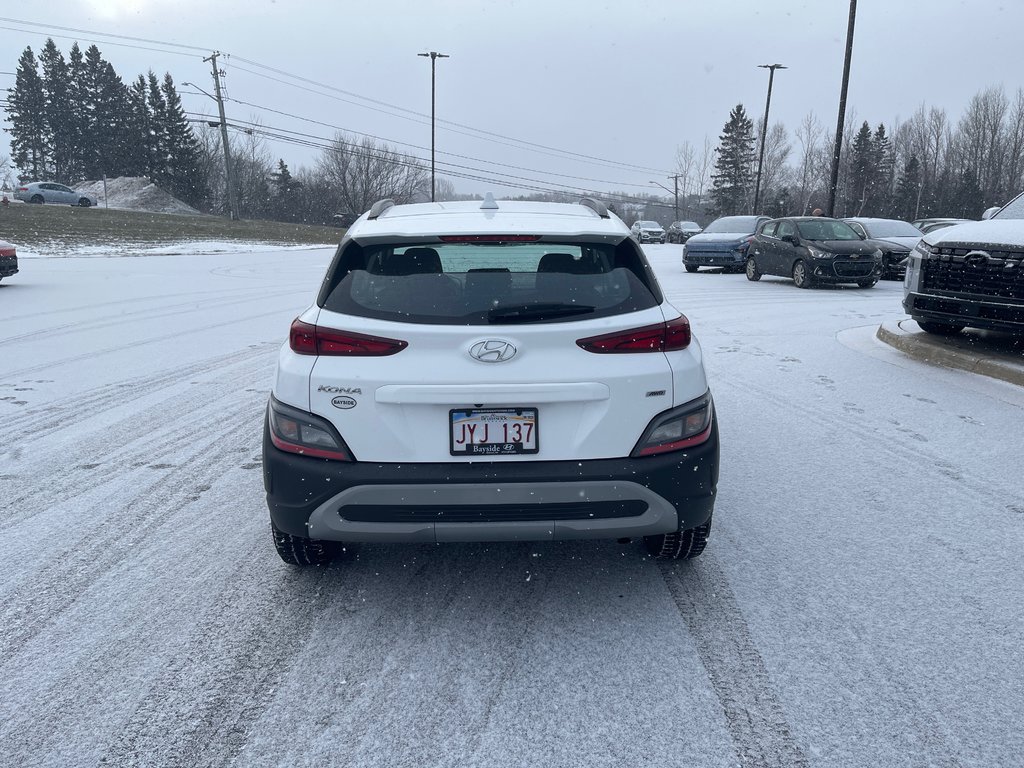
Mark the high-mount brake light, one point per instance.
(663, 337)
(489, 238)
(307, 339)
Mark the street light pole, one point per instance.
(675, 192)
(434, 56)
(764, 130)
(837, 150)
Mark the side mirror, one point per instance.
(990, 212)
(791, 239)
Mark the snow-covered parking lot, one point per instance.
(861, 601)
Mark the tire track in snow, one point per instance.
(49, 418)
(48, 591)
(753, 715)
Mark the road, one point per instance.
(861, 601)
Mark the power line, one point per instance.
(529, 144)
(104, 42)
(103, 34)
(440, 152)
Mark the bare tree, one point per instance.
(809, 135)
(362, 172)
(686, 163)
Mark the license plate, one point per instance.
(493, 431)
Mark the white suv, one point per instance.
(498, 372)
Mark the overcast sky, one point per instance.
(624, 82)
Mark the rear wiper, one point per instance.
(528, 313)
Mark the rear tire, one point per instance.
(691, 267)
(37, 199)
(679, 545)
(300, 551)
(753, 273)
(801, 277)
(867, 283)
(940, 329)
(85, 202)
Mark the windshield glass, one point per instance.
(650, 225)
(488, 284)
(1012, 210)
(741, 225)
(826, 229)
(890, 229)
(689, 225)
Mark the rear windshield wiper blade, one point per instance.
(528, 313)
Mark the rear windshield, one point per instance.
(489, 283)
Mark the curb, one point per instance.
(937, 351)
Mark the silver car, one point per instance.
(52, 192)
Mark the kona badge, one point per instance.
(339, 390)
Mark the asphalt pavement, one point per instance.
(996, 355)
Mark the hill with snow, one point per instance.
(135, 193)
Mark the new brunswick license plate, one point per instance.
(493, 431)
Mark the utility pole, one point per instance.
(675, 184)
(834, 183)
(228, 167)
(764, 131)
(434, 56)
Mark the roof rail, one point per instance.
(596, 206)
(379, 207)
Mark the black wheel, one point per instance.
(298, 550)
(691, 267)
(37, 199)
(753, 273)
(679, 545)
(939, 329)
(85, 202)
(867, 283)
(801, 276)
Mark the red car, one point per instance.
(8, 260)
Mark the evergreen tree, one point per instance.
(285, 195)
(862, 168)
(156, 145)
(26, 111)
(908, 191)
(732, 181)
(140, 122)
(79, 106)
(882, 183)
(118, 150)
(60, 122)
(182, 175)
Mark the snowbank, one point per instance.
(182, 247)
(135, 193)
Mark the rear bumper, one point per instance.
(8, 266)
(490, 501)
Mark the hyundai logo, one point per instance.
(977, 258)
(493, 351)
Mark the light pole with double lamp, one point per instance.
(764, 131)
(434, 56)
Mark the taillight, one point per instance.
(23, 189)
(306, 339)
(663, 337)
(303, 433)
(8, 252)
(682, 427)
